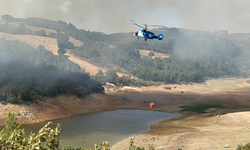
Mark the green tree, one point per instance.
(40, 33)
(11, 126)
(100, 77)
(151, 54)
(111, 75)
(61, 51)
(34, 96)
(7, 18)
(46, 138)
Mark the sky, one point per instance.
(112, 16)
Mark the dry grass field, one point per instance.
(90, 68)
(75, 41)
(156, 54)
(33, 40)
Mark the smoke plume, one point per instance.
(112, 16)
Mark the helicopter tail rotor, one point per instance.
(160, 37)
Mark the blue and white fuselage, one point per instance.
(147, 35)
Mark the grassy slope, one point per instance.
(33, 40)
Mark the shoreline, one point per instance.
(165, 101)
(67, 112)
(194, 132)
(59, 107)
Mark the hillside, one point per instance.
(33, 40)
(237, 37)
(50, 82)
(75, 41)
(49, 43)
(29, 74)
(156, 54)
(185, 55)
(90, 68)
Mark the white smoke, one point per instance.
(111, 16)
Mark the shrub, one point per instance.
(245, 147)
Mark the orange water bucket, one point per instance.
(152, 105)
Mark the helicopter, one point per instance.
(144, 33)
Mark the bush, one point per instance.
(245, 147)
(61, 51)
(40, 33)
(151, 54)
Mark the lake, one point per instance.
(112, 126)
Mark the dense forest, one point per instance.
(194, 55)
(30, 74)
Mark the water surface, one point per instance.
(89, 129)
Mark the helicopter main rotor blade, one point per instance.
(139, 26)
(135, 22)
(157, 26)
(132, 20)
(146, 26)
